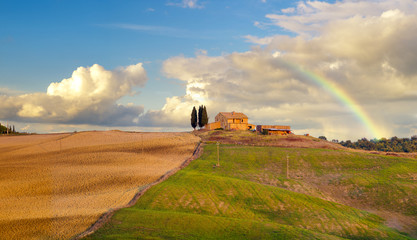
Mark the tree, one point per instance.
(14, 131)
(204, 116)
(194, 118)
(200, 114)
(323, 138)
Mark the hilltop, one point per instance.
(328, 192)
(291, 141)
(253, 139)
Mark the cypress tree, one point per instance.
(204, 116)
(14, 131)
(194, 118)
(200, 116)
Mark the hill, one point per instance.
(54, 186)
(329, 194)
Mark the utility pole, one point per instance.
(288, 168)
(218, 156)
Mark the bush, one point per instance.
(323, 138)
(219, 128)
(265, 132)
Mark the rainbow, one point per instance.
(341, 95)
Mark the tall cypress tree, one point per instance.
(200, 116)
(194, 118)
(204, 116)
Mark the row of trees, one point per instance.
(200, 119)
(393, 144)
(7, 129)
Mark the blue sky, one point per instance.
(217, 53)
(52, 38)
(49, 39)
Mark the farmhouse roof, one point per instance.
(277, 129)
(234, 115)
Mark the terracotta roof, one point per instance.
(235, 115)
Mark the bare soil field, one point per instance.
(55, 186)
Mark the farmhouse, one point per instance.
(230, 121)
(239, 121)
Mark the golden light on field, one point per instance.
(55, 186)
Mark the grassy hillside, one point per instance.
(249, 197)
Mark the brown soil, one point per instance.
(55, 186)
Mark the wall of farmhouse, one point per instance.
(238, 126)
(222, 120)
(212, 126)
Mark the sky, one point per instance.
(341, 69)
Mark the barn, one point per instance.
(274, 129)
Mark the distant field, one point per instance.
(55, 186)
(330, 194)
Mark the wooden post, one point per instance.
(218, 156)
(288, 168)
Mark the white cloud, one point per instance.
(187, 4)
(89, 96)
(9, 92)
(309, 16)
(257, 40)
(288, 10)
(147, 28)
(25, 128)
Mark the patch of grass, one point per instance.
(249, 197)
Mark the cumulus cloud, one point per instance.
(89, 96)
(7, 91)
(308, 17)
(370, 56)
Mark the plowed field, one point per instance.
(54, 186)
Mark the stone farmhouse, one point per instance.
(239, 121)
(230, 121)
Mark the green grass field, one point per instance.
(250, 197)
